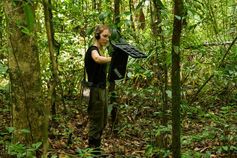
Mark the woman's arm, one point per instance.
(99, 59)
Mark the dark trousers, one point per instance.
(97, 112)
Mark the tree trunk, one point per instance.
(94, 6)
(156, 28)
(156, 18)
(114, 112)
(131, 8)
(28, 109)
(53, 50)
(1, 24)
(175, 77)
(99, 8)
(142, 20)
(117, 13)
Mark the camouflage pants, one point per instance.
(97, 112)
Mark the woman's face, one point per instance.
(104, 37)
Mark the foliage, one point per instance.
(216, 127)
(209, 126)
(85, 153)
(17, 149)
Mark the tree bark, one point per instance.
(53, 50)
(117, 13)
(1, 24)
(28, 109)
(114, 112)
(131, 8)
(156, 28)
(142, 19)
(175, 77)
(156, 18)
(94, 5)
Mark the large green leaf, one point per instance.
(30, 19)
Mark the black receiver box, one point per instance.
(120, 54)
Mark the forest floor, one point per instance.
(205, 132)
(68, 134)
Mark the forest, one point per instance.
(179, 101)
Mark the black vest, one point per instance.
(96, 72)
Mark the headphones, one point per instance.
(97, 35)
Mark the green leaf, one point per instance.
(225, 148)
(176, 49)
(127, 14)
(3, 68)
(89, 31)
(10, 129)
(178, 17)
(29, 16)
(103, 16)
(26, 31)
(233, 148)
(169, 93)
(26, 131)
(37, 145)
(30, 153)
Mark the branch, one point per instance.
(228, 50)
(209, 44)
(221, 62)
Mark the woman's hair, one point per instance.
(99, 29)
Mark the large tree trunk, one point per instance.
(175, 77)
(28, 110)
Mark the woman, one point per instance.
(95, 63)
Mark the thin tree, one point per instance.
(114, 112)
(53, 51)
(157, 31)
(117, 13)
(94, 5)
(1, 24)
(131, 9)
(175, 77)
